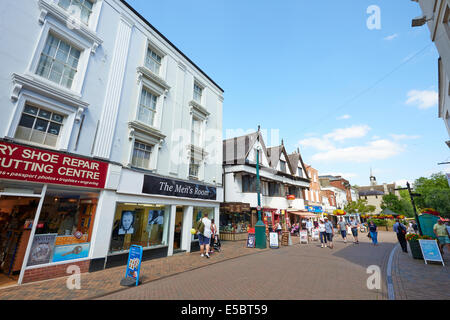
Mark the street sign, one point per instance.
(303, 236)
(273, 240)
(430, 251)
(258, 208)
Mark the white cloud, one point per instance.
(317, 143)
(347, 133)
(391, 37)
(375, 137)
(344, 117)
(373, 150)
(423, 99)
(404, 137)
(402, 182)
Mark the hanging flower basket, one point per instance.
(339, 212)
(401, 217)
(290, 197)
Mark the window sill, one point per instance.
(156, 79)
(199, 110)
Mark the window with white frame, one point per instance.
(83, 7)
(58, 61)
(147, 107)
(141, 155)
(153, 61)
(196, 132)
(39, 126)
(198, 93)
(194, 167)
(282, 166)
(300, 172)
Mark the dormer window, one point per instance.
(83, 8)
(283, 166)
(153, 61)
(300, 172)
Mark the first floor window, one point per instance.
(39, 125)
(196, 132)
(248, 183)
(141, 155)
(59, 61)
(194, 166)
(153, 61)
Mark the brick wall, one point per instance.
(52, 272)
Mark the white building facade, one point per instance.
(436, 14)
(119, 132)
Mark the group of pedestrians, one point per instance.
(207, 235)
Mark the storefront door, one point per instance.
(17, 214)
(178, 228)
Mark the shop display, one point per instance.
(42, 249)
(127, 222)
(71, 252)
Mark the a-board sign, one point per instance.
(303, 236)
(273, 240)
(430, 251)
(134, 263)
(251, 240)
(315, 234)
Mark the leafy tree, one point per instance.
(435, 193)
(398, 205)
(359, 206)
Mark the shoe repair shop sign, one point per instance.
(134, 263)
(175, 188)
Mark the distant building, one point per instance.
(374, 193)
(339, 186)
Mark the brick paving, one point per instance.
(108, 281)
(415, 280)
(301, 271)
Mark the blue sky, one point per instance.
(313, 74)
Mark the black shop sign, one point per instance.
(175, 188)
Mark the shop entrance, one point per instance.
(16, 220)
(178, 229)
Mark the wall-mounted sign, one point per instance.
(430, 251)
(176, 188)
(37, 165)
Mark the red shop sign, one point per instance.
(36, 165)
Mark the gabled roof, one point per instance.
(236, 150)
(294, 158)
(274, 155)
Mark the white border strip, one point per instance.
(390, 285)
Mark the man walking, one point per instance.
(342, 224)
(400, 230)
(354, 226)
(329, 231)
(204, 236)
(309, 227)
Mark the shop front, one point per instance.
(156, 213)
(48, 205)
(235, 220)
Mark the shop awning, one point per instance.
(305, 214)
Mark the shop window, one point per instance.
(235, 222)
(64, 229)
(139, 224)
(39, 126)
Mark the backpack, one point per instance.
(199, 226)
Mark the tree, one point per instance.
(398, 205)
(435, 193)
(359, 206)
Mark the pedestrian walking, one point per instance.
(322, 233)
(342, 225)
(441, 232)
(278, 229)
(309, 227)
(213, 236)
(400, 230)
(204, 235)
(410, 228)
(329, 230)
(373, 231)
(354, 227)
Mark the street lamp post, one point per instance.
(260, 227)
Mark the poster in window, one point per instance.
(71, 252)
(42, 249)
(127, 222)
(155, 217)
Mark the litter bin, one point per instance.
(427, 222)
